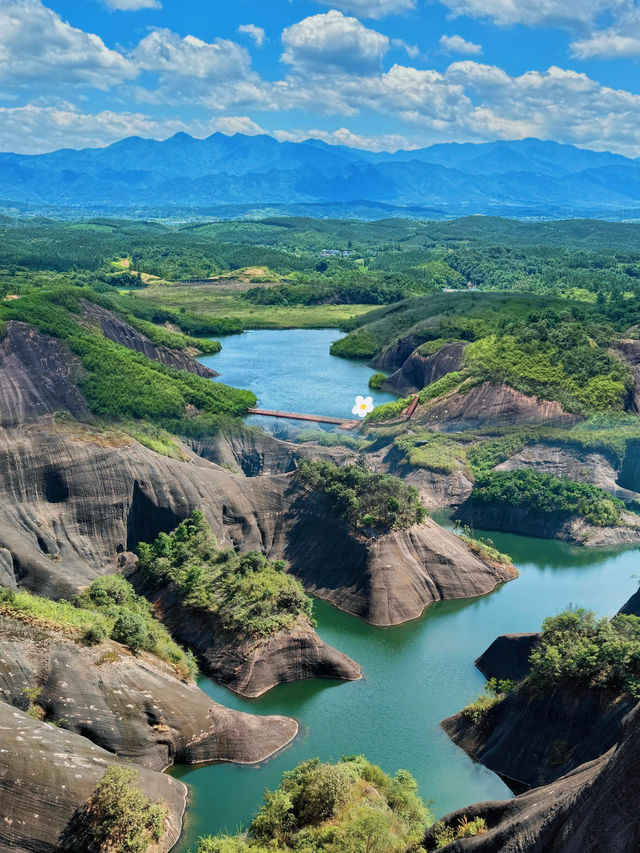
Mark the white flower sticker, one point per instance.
(363, 406)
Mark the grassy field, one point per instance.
(226, 302)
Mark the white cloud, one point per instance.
(620, 41)
(574, 14)
(256, 33)
(236, 124)
(343, 136)
(370, 8)
(331, 42)
(456, 44)
(132, 5)
(167, 53)
(34, 129)
(38, 48)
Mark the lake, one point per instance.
(414, 674)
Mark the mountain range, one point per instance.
(239, 175)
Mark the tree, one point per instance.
(121, 818)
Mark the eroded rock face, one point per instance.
(132, 706)
(47, 775)
(566, 461)
(419, 370)
(494, 405)
(385, 579)
(594, 809)
(121, 332)
(253, 665)
(559, 525)
(393, 357)
(508, 657)
(533, 737)
(38, 376)
(632, 607)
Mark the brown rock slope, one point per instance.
(37, 377)
(121, 332)
(490, 405)
(420, 370)
(594, 809)
(46, 777)
(251, 665)
(133, 706)
(384, 579)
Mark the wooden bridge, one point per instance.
(343, 423)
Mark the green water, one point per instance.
(414, 676)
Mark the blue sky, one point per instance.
(377, 74)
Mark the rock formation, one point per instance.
(47, 775)
(118, 330)
(393, 356)
(132, 706)
(420, 370)
(563, 526)
(593, 809)
(508, 657)
(385, 579)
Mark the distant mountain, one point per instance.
(182, 175)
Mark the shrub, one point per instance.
(494, 691)
(130, 630)
(366, 501)
(376, 381)
(576, 648)
(94, 635)
(121, 818)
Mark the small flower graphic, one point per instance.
(363, 406)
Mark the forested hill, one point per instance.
(255, 175)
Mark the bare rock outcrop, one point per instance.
(252, 665)
(393, 356)
(420, 370)
(532, 737)
(508, 657)
(132, 706)
(121, 332)
(47, 775)
(632, 606)
(388, 578)
(490, 405)
(560, 525)
(38, 376)
(593, 809)
(564, 460)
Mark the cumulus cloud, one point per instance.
(132, 5)
(343, 136)
(456, 44)
(256, 33)
(38, 47)
(33, 129)
(167, 53)
(236, 124)
(333, 42)
(370, 8)
(620, 41)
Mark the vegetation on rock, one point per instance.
(350, 807)
(578, 649)
(251, 595)
(365, 500)
(121, 818)
(547, 495)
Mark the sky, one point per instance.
(373, 74)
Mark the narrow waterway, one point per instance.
(415, 674)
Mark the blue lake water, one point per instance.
(415, 674)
